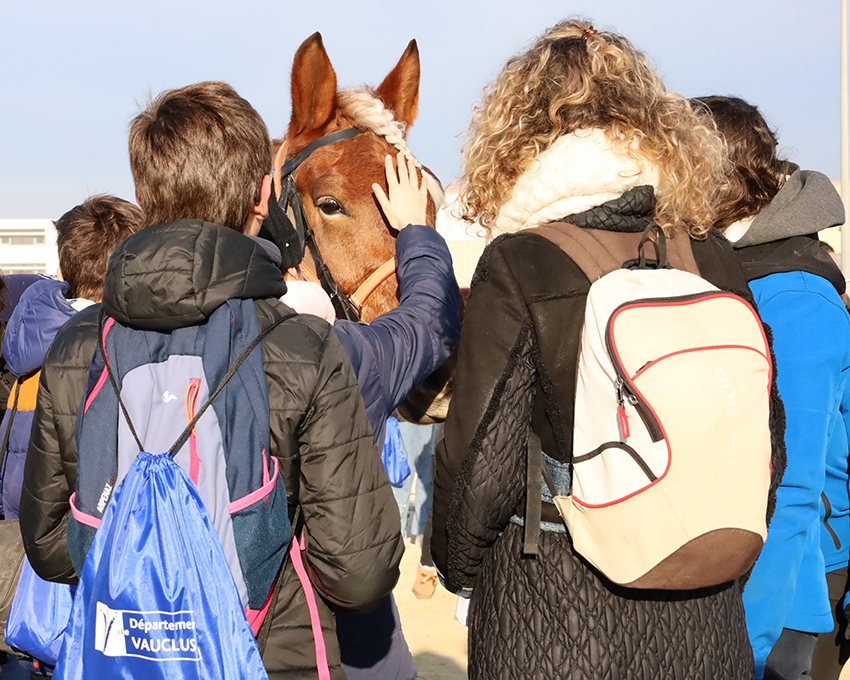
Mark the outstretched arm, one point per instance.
(401, 348)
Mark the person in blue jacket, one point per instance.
(12, 286)
(390, 356)
(771, 211)
(86, 235)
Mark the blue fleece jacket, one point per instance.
(41, 311)
(811, 340)
(391, 355)
(401, 348)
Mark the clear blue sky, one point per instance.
(72, 73)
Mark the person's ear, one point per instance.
(260, 211)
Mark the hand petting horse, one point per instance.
(335, 178)
(335, 150)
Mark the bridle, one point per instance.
(291, 204)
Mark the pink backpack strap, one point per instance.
(315, 623)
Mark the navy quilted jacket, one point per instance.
(399, 349)
(38, 316)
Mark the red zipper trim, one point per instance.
(190, 402)
(640, 394)
(704, 348)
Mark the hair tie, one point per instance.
(589, 32)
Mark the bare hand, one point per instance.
(408, 198)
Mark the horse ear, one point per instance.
(400, 89)
(313, 87)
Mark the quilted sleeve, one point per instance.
(50, 471)
(478, 479)
(354, 543)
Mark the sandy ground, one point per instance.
(436, 640)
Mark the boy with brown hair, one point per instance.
(199, 157)
(86, 235)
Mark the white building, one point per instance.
(28, 247)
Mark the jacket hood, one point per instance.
(806, 204)
(41, 311)
(577, 172)
(174, 275)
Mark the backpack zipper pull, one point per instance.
(621, 409)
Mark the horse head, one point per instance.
(335, 181)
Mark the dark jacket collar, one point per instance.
(631, 212)
(795, 254)
(174, 275)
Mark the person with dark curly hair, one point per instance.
(772, 212)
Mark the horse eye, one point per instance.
(330, 206)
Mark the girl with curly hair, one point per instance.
(577, 129)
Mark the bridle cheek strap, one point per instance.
(375, 279)
(364, 290)
(370, 285)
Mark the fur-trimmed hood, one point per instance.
(577, 172)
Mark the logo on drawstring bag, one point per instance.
(156, 636)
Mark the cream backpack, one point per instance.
(671, 446)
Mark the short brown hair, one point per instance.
(757, 172)
(199, 152)
(86, 235)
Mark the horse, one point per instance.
(356, 243)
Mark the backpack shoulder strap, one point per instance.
(679, 252)
(230, 373)
(581, 247)
(537, 471)
(600, 252)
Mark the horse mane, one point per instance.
(369, 113)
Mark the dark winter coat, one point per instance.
(15, 285)
(390, 356)
(554, 616)
(38, 316)
(176, 275)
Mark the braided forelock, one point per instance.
(369, 113)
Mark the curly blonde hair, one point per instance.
(572, 78)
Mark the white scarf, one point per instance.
(735, 231)
(577, 172)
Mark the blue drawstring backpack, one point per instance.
(162, 586)
(39, 616)
(156, 598)
(393, 456)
